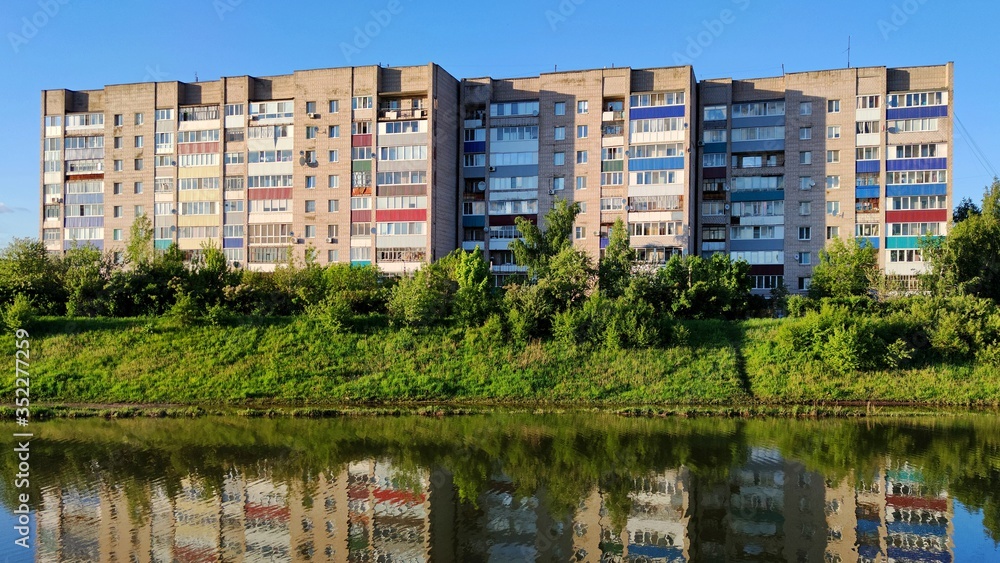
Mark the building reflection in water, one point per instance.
(767, 509)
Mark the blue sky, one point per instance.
(82, 44)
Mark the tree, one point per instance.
(845, 269)
(537, 247)
(27, 269)
(425, 298)
(615, 268)
(139, 249)
(86, 279)
(692, 287)
(474, 299)
(968, 259)
(966, 208)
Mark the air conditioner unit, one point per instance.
(418, 113)
(331, 240)
(391, 115)
(552, 192)
(312, 115)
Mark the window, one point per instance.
(138, 141)
(581, 182)
(805, 233)
(310, 206)
(333, 181)
(119, 165)
(833, 132)
(559, 133)
(832, 233)
(832, 182)
(804, 284)
(805, 183)
(332, 256)
(310, 107)
(579, 232)
(333, 205)
(334, 131)
(757, 109)
(234, 157)
(715, 113)
(805, 208)
(138, 119)
(310, 157)
(118, 142)
(833, 156)
(361, 102)
(711, 160)
(832, 208)
(560, 108)
(311, 229)
(310, 182)
(559, 158)
(581, 157)
(117, 188)
(332, 231)
(138, 164)
(805, 157)
(117, 211)
(140, 210)
(581, 131)
(833, 106)
(119, 120)
(137, 188)
(334, 156)
(805, 258)
(805, 133)
(581, 106)
(867, 153)
(311, 131)
(234, 109)
(805, 108)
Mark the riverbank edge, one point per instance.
(256, 409)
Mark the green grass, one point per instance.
(295, 361)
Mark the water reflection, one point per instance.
(504, 489)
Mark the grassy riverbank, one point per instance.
(295, 360)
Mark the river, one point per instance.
(508, 487)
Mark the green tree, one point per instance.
(474, 299)
(139, 249)
(85, 279)
(27, 269)
(845, 269)
(692, 287)
(425, 298)
(968, 259)
(615, 269)
(536, 247)
(209, 277)
(966, 208)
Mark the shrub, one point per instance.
(19, 313)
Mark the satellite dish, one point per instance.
(481, 186)
(302, 161)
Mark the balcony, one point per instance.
(84, 166)
(612, 165)
(615, 115)
(205, 113)
(389, 114)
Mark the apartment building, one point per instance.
(781, 173)
(357, 164)
(617, 141)
(399, 166)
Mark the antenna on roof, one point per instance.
(848, 51)
(196, 76)
(782, 69)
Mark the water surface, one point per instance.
(511, 487)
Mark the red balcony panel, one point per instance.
(197, 148)
(361, 140)
(917, 216)
(384, 215)
(938, 504)
(767, 270)
(361, 216)
(77, 177)
(503, 220)
(269, 193)
(714, 173)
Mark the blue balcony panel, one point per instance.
(474, 146)
(232, 242)
(96, 243)
(83, 199)
(666, 163)
(758, 121)
(770, 145)
(874, 241)
(867, 166)
(716, 147)
(656, 113)
(901, 190)
(513, 171)
(867, 192)
(903, 164)
(86, 222)
(917, 113)
(762, 195)
(757, 244)
(473, 220)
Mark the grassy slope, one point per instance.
(109, 361)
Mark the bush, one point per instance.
(333, 313)
(20, 313)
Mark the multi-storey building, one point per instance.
(617, 141)
(781, 174)
(357, 163)
(365, 164)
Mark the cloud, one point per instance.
(4, 208)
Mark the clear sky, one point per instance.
(83, 44)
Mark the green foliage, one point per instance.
(968, 259)
(363, 288)
(425, 298)
(537, 247)
(616, 267)
(185, 312)
(19, 313)
(333, 313)
(139, 249)
(474, 298)
(845, 269)
(965, 209)
(85, 279)
(27, 269)
(694, 288)
(529, 312)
